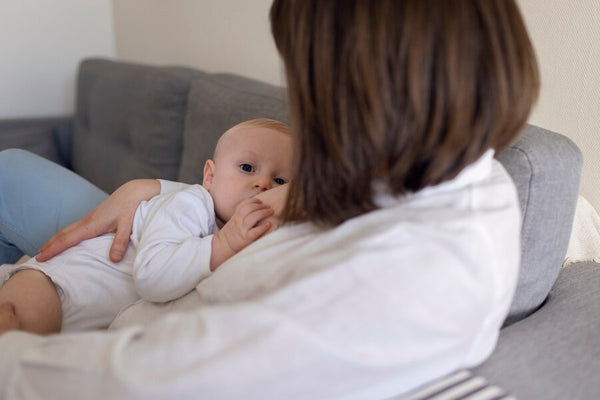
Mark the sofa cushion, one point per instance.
(129, 121)
(546, 168)
(215, 104)
(554, 353)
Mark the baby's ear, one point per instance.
(209, 173)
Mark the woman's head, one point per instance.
(404, 91)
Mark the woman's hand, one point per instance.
(115, 214)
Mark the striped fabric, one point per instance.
(461, 385)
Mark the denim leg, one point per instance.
(37, 198)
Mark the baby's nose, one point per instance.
(263, 183)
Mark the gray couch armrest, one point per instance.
(546, 167)
(47, 137)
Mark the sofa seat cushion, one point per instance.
(555, 352)
(129, 121)
(216, 103)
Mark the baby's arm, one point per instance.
(173, 243)
(174, 253)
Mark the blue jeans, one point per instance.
(37, 198)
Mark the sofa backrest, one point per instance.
(142, 121)
(129, 121)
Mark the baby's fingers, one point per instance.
(258, 214)
(259, 230)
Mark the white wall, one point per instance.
(41, 43)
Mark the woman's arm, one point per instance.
(115, 214)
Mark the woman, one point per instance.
(376, 284)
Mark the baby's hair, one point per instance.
(406, 92)
(266, 123)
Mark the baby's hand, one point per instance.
(247, 224)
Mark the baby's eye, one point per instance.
(246, 167)
(279, 181)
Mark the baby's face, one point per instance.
(248, 161)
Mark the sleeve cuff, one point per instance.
(170, 186)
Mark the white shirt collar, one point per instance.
(476, 171)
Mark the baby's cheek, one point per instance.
(223, 212)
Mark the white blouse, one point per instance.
(373, 308)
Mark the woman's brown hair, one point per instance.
(408, 92)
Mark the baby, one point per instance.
(178, 238)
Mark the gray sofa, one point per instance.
(136, 121)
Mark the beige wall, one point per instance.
(214, 35)
(566, 35)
